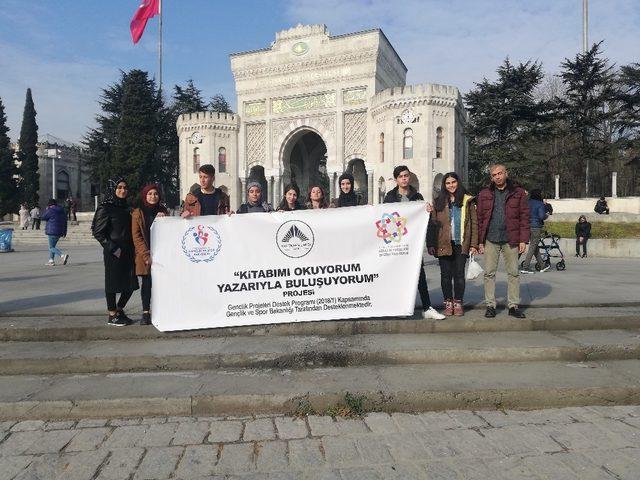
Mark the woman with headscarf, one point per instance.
(141, 220)
(255, 203)
(348, 197)
(112, 228)
(290, 199)
(316, 199)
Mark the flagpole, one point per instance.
(160, 47)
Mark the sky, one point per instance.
(67, 51)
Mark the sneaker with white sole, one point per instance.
(65, 259)
(542, 270)
(526, 270)
(50, 263)
(432, 314)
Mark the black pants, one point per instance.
(145, 292)
(584, 245)
(452, 272)
(122, 301)
(35, 224)
(422, 289)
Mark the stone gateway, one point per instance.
(312, 106)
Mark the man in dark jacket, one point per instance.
(207, 200)
(56, 219)
(503, 229)
(403, 192)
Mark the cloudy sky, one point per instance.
(68, 50)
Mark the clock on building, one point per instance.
(196, 137)
(407, 116)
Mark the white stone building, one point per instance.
(313, 105)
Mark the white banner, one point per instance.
(221, 271)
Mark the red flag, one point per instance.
(147, 9)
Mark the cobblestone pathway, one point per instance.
(571, 443)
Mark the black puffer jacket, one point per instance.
(393, 195)
(112, 228)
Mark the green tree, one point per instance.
(219, 104)
(505, 119)
(188, 99)
(28, 154)
(628, 125)
(8, 186)
(589, 109)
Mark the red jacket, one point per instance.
(516, 210)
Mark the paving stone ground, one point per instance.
(555, 444)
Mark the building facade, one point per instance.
(312, 106)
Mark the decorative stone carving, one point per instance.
(355, 133)
(308, 102)
(354, 96)
(256, 136)
(252, 109)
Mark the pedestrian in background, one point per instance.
(23, 213)
(112, 228)
(583, 232)
(290, 198)
(453, 235)
(503, 230)
(537, 216)
(141, 220)
(601, 207)
(35, 218)
(56, 228)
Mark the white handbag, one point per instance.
(474, 270)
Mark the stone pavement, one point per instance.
(571, 443)
(28, 287)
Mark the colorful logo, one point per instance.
(392, 227)
(295, 238)
(201, 243)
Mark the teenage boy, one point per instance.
(207, 200)
(403, 192)
(503, 229)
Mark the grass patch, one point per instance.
(351, 406)
(598, 229)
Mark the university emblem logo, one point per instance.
(201, 243)
(392, 227)
(295, 238)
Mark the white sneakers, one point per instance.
(432, 314)
(65, 259)
(50, 263)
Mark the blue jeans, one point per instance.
(53, 251)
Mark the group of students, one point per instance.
(495, 223)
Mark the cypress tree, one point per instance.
(219, 104)
(8, 187)
(28, 154)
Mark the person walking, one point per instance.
(56, 227)
(316, 199)
(453, 235)
(73, 209)
(289, 200)
(583, 232)
(35, 217)
(141, 220)
(348, 197)
(537, 216)
(404, 192)
(111, 227)
(503, 230)
(207, 199)
(23, 213)
(255, 203)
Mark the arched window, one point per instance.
(222, 160)
(439, 138)
(407, 144)
(196, 159)
(382, 148)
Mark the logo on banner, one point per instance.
(392, 227)
(295, 238)
(201, 243)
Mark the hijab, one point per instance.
(347, 199)
(110, 196)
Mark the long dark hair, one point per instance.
(324, 203)
(535, 194)
(283, 203)
(443, 197)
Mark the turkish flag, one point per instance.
(147, 9)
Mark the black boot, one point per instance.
(146, 318)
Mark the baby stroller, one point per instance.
(549, 248)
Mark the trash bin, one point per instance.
(6, 237)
